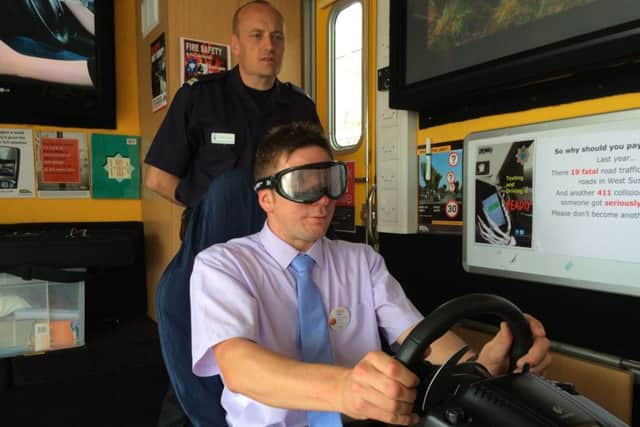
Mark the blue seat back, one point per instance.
(229, 209)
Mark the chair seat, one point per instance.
(228, 210)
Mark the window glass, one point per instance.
(346, 90)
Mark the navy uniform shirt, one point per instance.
(214, 125)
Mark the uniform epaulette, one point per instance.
(204, 78)
(297, 89)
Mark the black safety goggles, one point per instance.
(308, 183)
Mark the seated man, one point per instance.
(249, 313)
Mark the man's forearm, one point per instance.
(162, 183)
(442, 348)
(275, 380)
(445, 346)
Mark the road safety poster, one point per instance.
(440, 188)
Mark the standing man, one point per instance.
(215, 123)
(251, 308)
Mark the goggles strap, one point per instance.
(267, 182)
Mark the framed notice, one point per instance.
(115, 171)
(158, 73)
(16, 164)
(63, 164)
(201, 57)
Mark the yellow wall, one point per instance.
(323, 12)
(127, 123)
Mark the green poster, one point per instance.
(115, 161)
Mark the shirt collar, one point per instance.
(283, 252)
(239, 86)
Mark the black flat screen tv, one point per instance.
(57, 63)
(454, 59)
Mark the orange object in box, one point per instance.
(62, 334)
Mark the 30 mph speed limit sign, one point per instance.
(451, 209)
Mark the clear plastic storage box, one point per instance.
(39, 315)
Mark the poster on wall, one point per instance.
(158, 74)
(504, 190)
(199, 57)
(440, 188)
(115, 166)
(63, 164)
(16, 164)
(344, 217)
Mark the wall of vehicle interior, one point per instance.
(325, 17)
(58, 368)
(201, 19)
(127, 123)
(430, 268)
(204, 20)
(612, 388)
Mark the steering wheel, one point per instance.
(440, 380)
(50, 15)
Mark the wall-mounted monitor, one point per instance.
(453, 59)
(57, 63)
(556, 202)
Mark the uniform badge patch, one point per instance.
(223, 138)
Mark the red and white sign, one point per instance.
(451, 209)
(451, 177)
(349, 196)
(453, 159)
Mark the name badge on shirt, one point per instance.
(223, 138)
(339, 318)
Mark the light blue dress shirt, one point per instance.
(242, 288)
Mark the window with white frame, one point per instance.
(346, 75)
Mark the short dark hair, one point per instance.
(284, 140)
(236, 14)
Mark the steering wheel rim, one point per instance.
(439, 321)
(50, 14)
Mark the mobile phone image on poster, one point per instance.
(504, 194)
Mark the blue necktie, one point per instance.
(313, 330)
